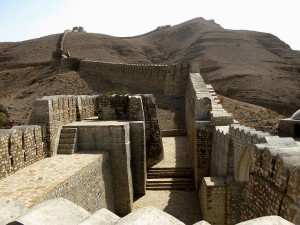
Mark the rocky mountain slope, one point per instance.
(248, 66)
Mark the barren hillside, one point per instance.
(248, 66)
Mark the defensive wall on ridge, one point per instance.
(240, 173)
(170, 79)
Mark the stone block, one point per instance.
(149, 215)
(59, 210)
(102, 216)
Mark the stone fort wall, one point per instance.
(21, 146)
(240, 173)
(203, 113)
(170, 79)
(55, 111)
(252, 174)
(90, 187)
(127, 144)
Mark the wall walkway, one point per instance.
(62, 176)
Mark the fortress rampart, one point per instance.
(237, 169)
(56, 111)
(125, 127)
(170, 79)
(251, 169)
(203, 113)
(236, 165)
(21, 146)
(61, 40)
(240, 173)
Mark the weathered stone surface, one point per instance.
(59, 210)
(202, 223)
(212, 197)
(84, 179)
(102, 216)
(10, 210)
(149, 215)
(154, 147)
(20, 147)
(267, 220)
(138, 157)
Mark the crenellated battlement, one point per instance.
(170, 79)
(21, 146)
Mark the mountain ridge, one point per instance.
(248, 66)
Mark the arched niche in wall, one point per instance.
(242, 173)
(297, 130)
(230, 159)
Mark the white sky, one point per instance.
(27, 19)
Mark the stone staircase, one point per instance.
(179, 178)
(67, 141)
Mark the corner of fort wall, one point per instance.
(94, 196)
(55, 111)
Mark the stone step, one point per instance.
(67, 141)
(170, 169)
(68, 130)
(184, 172)
(170, 187)
(67, 135)
(170, 180)
(63, 140)
(65, 151)
(169, 172)
(66, 146)
(173, 184)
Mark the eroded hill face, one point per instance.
(248, 66)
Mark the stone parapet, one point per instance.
(20, 147)
(274, 180)
(170, 79)
(203, 113)
(219, 153)
(128, 74)
(56, 111)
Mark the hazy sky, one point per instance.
(27, 19)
